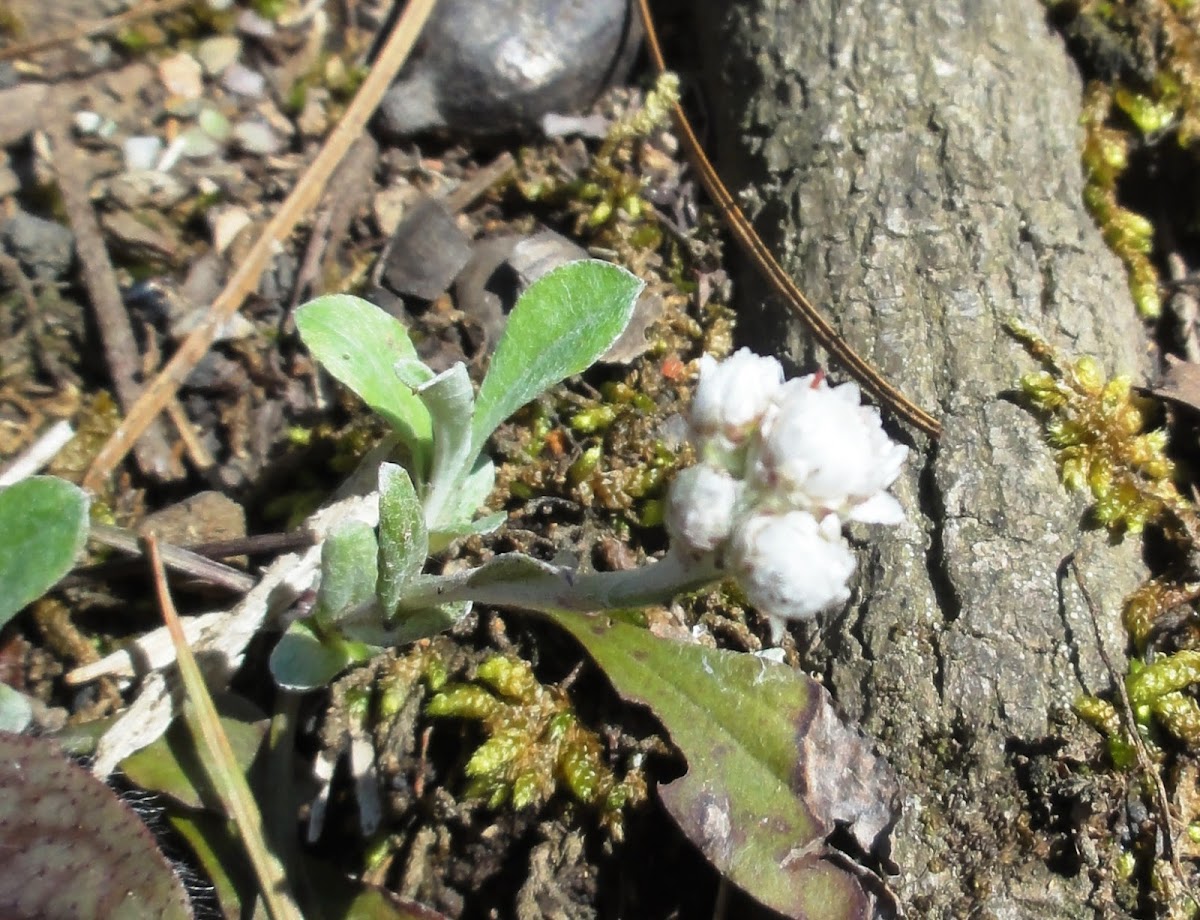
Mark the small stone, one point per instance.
(144, 188)
(141, 152)
(269, 113)
(389, 206)
(21, 110)
(43, 247)
(225, 224)
(217, 53)
(546, 250)
(93, 124)
(88, 123)
(256, 137)
(146, 233)
(206, 186)
(10, 182)
(233, 329)
(593, 126)
(313, 120)
(182, 76)
(243, 81)
(206, 517)
(198, 144)
(250, 23)
(427, 251)
(486, 68)
(214, 124)
(181, 108)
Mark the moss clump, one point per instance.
(1098, 430)
(535, 743)
(1128, 234)
(1144, 59)
(605, 199)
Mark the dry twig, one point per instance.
(306, 193)
(219, 761)
(39, 454)
(181, 560)
(153, 452)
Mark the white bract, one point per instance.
(700, 507)
(824, 452)
(782, 467)
(731, 397)
(790, 566)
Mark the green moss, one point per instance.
(606, 200)
(1147, 58)
(535, 744)
(1097, 429)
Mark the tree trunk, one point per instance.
(915, 167)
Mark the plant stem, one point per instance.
(520, 581)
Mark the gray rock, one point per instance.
(43, 248)
(915, 166)
(22, 108)
(426, 252)
(500, 66)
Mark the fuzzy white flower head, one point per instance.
(700, 507)
(732, 396)
(789, 566)
(822, 451)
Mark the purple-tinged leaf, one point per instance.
(771, 767)
(70, 848)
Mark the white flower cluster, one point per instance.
(782, 467)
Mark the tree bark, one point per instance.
(915, 167)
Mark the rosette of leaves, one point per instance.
(560, 325)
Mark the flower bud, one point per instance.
(824, 452)
(789, 566)
(700, 507)
(732, 396)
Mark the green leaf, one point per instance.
(360, 344)
(347, 899)
(349, 560)
(305, 661)
(403, 541)
(173, 767)
(472, 493)
(762, 742)
(408, 627)
(15, 711)
(43, 527)
(562, 323)
(483, 525)
(220, 853)
(450, 400)
(475, 489)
